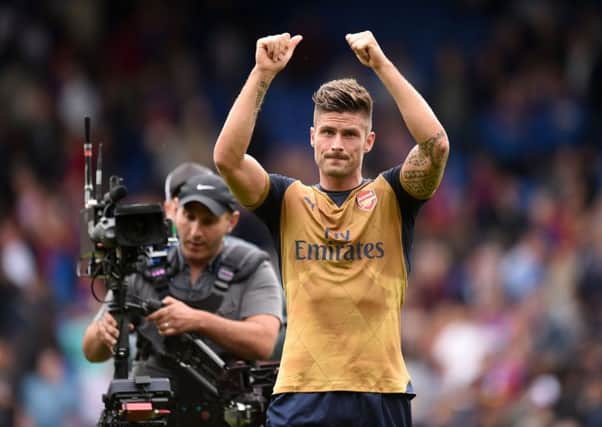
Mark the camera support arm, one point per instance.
(119, 309)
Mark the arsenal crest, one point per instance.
(366, 200)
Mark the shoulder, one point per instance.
(281, 180)
(264, 273)
(139, 287)
(406, 201)
(274, 191)
(278, 186)
(234, 244)
(134, 282)
(241, 257)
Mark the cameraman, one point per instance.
(220, 288)
(249, 228)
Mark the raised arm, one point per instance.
(422, 169)
(244, 175)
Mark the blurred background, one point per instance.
(503, 319)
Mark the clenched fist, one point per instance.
(366, 48)
(273, 52)
(106, 330)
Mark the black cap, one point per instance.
(209, 190)
(180, 175)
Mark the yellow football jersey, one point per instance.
(344, 273)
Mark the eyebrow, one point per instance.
(353, 129)
(326, 127)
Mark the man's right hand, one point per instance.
(274, 52)
(106, 330)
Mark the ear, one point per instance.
(312, 133)
(369, 141)
(234, 218)
(170, 206)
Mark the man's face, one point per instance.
(201, 233)
(340, 141)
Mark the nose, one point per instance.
(337, 143)
(196, 230)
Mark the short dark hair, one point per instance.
(343, 95)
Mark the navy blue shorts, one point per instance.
(339, 409)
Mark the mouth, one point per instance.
(335, 157)
(195, 246)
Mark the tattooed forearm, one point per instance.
(423, 168)
(261, 90)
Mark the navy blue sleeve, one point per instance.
(409, 207)
(269, 211)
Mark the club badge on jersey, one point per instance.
(366, 200)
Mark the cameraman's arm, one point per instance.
(100, 337)
(252, 338)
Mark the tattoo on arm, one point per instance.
(423, 168)
(261, 90)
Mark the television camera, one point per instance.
(117, 240)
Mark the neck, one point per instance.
(196, 267)
(199, 265)
(195, 272)
(335, 183)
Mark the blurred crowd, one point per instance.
(503, 317)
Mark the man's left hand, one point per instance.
(367, 49)
(174, 317)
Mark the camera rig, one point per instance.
(117, 240)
